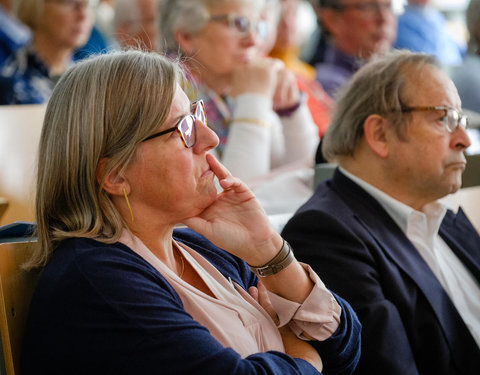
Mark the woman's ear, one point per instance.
(113, 183)
(376, 129)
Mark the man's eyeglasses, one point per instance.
(73, 4)
(241, 24)
(367, 8)
(186, 126)
(452, 118)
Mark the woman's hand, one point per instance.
(287, 94)
(300, 349)
(294, 346)
(235, 221)
(259, 76)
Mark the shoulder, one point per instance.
(229, 265)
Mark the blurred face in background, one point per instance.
(141, 31)
(230, 37)
(66, 23)
(361, 28)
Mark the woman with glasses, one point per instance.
(123, 159)
(253, 102)
(58, 28)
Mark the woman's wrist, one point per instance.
(280, 261)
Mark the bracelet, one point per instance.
(253, 121)
(278, 263)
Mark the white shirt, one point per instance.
(421, 228)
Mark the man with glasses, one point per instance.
(355, 30)
(377, 231)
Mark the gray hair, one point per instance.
(29, 12)
(376, 88)
(189, 16)
(473, 25)
(95, 114)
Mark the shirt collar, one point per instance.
(402, 214)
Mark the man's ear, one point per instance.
(185, 43)
(376, 131)
(113, 182)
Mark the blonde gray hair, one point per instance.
(102, 108)
(376, 88)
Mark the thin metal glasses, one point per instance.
(241, 24)
(186, 126)
(452, 118)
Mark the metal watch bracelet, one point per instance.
(283, 258)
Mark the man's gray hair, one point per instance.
(376, 88)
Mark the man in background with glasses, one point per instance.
(354, 30)
(377, 231)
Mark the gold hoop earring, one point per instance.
(128, 204)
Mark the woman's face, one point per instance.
(219, 47)
(66, 23)
(167, 179)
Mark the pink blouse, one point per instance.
(234, 318)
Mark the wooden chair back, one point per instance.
(16, 290)
(20, 127)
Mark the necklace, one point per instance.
(183, 261)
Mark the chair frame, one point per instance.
(16, 290)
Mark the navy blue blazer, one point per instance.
(410, 325)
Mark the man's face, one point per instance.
(429, 164)
(362, 27)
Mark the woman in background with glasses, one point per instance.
(58, 28)
(253, 102)
(123, 158)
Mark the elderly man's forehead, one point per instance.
(427, 84)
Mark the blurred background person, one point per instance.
(136, 24)
(286, 47)
(353, 30)
(58, 28)
(13, 34)
(423, 28)
(467, 75)
(253, 102)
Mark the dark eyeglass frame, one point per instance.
(241, 24)
(457, 118)
(198, 113)
(74, 4)
(363, 7)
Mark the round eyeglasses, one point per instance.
(186, 126)
(241, 24)
(452, 118)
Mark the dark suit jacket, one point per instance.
(410, 325)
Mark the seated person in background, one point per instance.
(252, 102)
(13, 34)
(422, 28)
(58, 27)
(136, 24)
(467, 75)
(356, 30)
(376, 231)
(121, 290)
(286, 48)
